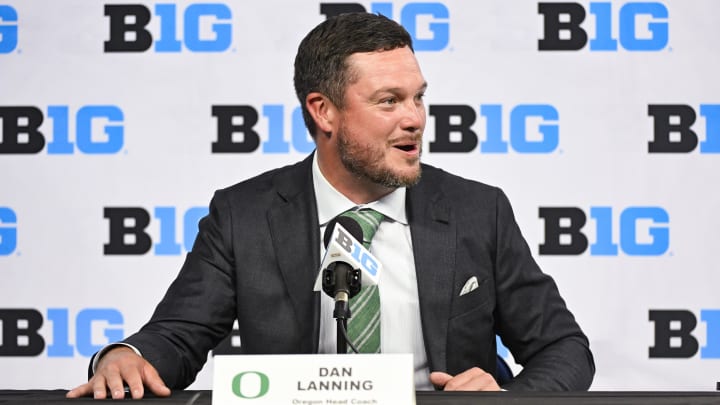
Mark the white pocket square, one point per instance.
(470, 285)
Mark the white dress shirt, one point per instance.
(400, 325)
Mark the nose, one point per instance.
(413, 119)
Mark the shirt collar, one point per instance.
(331, 203)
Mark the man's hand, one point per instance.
(120, 365)
(474, 379)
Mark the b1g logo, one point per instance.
(562, 30)
(8, 231)
(356, 250)
(453, 129)
(128, 227)
(129, 33)
(20, 331)
(564, 236)
(21, 130)
(8, 29)
(673, 334)
(672, 128)
(427, 23)
(234, 137)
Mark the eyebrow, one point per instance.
(398, 90)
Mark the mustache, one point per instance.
(405, 139)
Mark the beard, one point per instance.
(368, 162)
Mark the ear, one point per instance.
(322, 110)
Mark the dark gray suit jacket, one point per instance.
(256, 257)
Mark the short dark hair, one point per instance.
(320, 63)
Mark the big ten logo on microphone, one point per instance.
(204, 27)
(675, 129)
(427, 22)
(26, 130)
(8, 231)
(642, 231)
(676, 335)
(632, 26)
(129, 233)
(8, 29)
(533, 128)
(25, 331)
(357, 251)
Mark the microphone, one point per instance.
(350, 225)
(342, 245)
(346, 266)
(341, 280)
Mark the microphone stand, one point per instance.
(342, 282)
(341, 315)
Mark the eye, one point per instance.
(389, 101)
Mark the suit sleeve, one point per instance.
(198, 309)
(532, 318)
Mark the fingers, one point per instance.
(135, 384)
(439, 379)
(114, 382)
(80, 391)
(474, 379)
(94, 387)
(117, 369)
(154, 382)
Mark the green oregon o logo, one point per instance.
(237, 385)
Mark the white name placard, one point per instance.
(320, 379)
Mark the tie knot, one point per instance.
(369, 221)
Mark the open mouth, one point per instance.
(406, 148)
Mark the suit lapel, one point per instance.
(296, 239)
(433, 238)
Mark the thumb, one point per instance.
(439, 379)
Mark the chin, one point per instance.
(408, 178)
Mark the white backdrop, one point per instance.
(135, 129)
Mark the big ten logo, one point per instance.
(674, 338)
(358, 252)
(206, 27)
(641, 26)
(92, 329)
(236, 130)
(427, 23)
(453, 129)
(98, 130)
(642, 231)
(129, 236)
(672, 128)
(8, 231)
(8, 29)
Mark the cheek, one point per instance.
(373, 127)
(383, 125)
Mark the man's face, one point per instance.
(382, 122)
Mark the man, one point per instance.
(257, 252)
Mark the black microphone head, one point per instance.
(351, 225)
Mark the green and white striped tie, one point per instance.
(364, 324)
